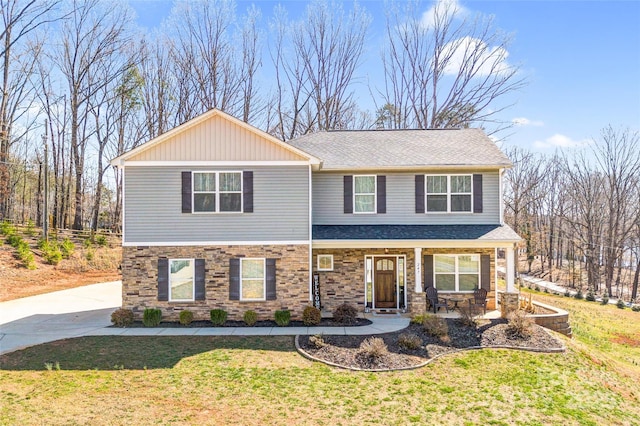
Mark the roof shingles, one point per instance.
(415, 232)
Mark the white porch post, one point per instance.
(511, 270)
(418, 268)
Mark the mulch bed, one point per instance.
(344, 351)
(325, 322)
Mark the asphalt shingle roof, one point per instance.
(360, 149)
(415, 232)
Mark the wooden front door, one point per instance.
(385, 282)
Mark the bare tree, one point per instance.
(445, 70)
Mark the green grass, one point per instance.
(262, 380)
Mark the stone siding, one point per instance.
(140, 280)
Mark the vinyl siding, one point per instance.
(328, 203)
(153, 207)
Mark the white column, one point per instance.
(418, 268)
(511, 270)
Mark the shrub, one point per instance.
(590, 297)
(418, 319)
(283, 318)
(579, 295)
(218, 316)
(101, 241)
(23, 251)
(186, 317)
(605, 300)
(31, 228)
(409, 341)
(635, 308)
(90, 254)
(7, 228)
(14, 240)
(250, 318)
(151, 317)
(519, 325)
(50, 251)
(435, 326)
(468, 316)
(67, 248)
(373, 348)
(345, 314)
(620, 304)
(311, 316)
(87, 243)
(546, 290)
(567, 293)
(122, 317)
(317, 341)
(537, 287)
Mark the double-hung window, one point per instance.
(181, 280)
(252, 279)
(457, 272)
(217, 192)
(364, 194)
(449, 193)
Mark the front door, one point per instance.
(385, 282)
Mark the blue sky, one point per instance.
(581, 59)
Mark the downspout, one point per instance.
(501, 195)
(310, 237)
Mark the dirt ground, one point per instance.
(17, 281)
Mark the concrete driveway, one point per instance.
(59, 315)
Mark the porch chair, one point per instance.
(479, 299)
(434, 301)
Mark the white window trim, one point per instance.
(192, 262)
(448, 193)
(217, 191)
(374, 193)
(330, 256)
(456, 273)
(264, 279)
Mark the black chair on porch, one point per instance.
(479, 299)
(434, 300)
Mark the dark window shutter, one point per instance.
(271, 278)
(348, 194)
(163, 279)
(186, 192)
(234, 279)
(247, 191)
(428, 271)
(199, 278)
(485, 272)
(420, 193)
(477, 193)
(382, 194)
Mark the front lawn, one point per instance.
(262, 380)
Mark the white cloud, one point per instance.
(471, 52)
(560, 141)
(523, 121)
(429, 17)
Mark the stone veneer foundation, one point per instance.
(140, 280)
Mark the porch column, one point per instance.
(511, 270)
(418, 268)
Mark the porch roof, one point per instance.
(479, 233)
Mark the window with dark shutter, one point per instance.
(186, 192)
(270, 279)
(419, 193)
(348, 194)
(382, 194)
(428, 271)
(200, 293)
(485, 272)
(234, 279)
(247, 191)
(477, 193)
(163, 279)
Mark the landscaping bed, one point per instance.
(325, 322)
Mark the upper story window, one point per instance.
(449, 193)
(215, 192)
(364, 194)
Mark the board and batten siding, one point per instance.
(217, 139)
(400, 192)
(153, 207)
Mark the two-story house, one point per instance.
(218, 214)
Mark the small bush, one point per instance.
(409, 341)
(218, 316)
(567, 293)
(435, 326)
(151, 317)
(537, 287)
(546, 290)
(90, 254)
(14, 240)
(23, 251)
(311, 316)
(635, 308)
(50, 251)
(345, 314)
(67, 248)
(605, 300)
(186, 317)
(620, 304)
(590, 297)
(7, 228)
(122, 317)
(519, 325)
(468, 316)
(101, 241)
(283, 318)
(317, 341)
(250, 318)
(31, 228)
(373, 349)
(579, 295)
(418, 319)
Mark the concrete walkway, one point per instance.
(86, 311)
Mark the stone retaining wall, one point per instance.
(558, 321)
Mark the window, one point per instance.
(325, 262)
(181, 280)
(457, 272)
(449, 193)
(252, 279)
(215, 192)
(364, 194)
